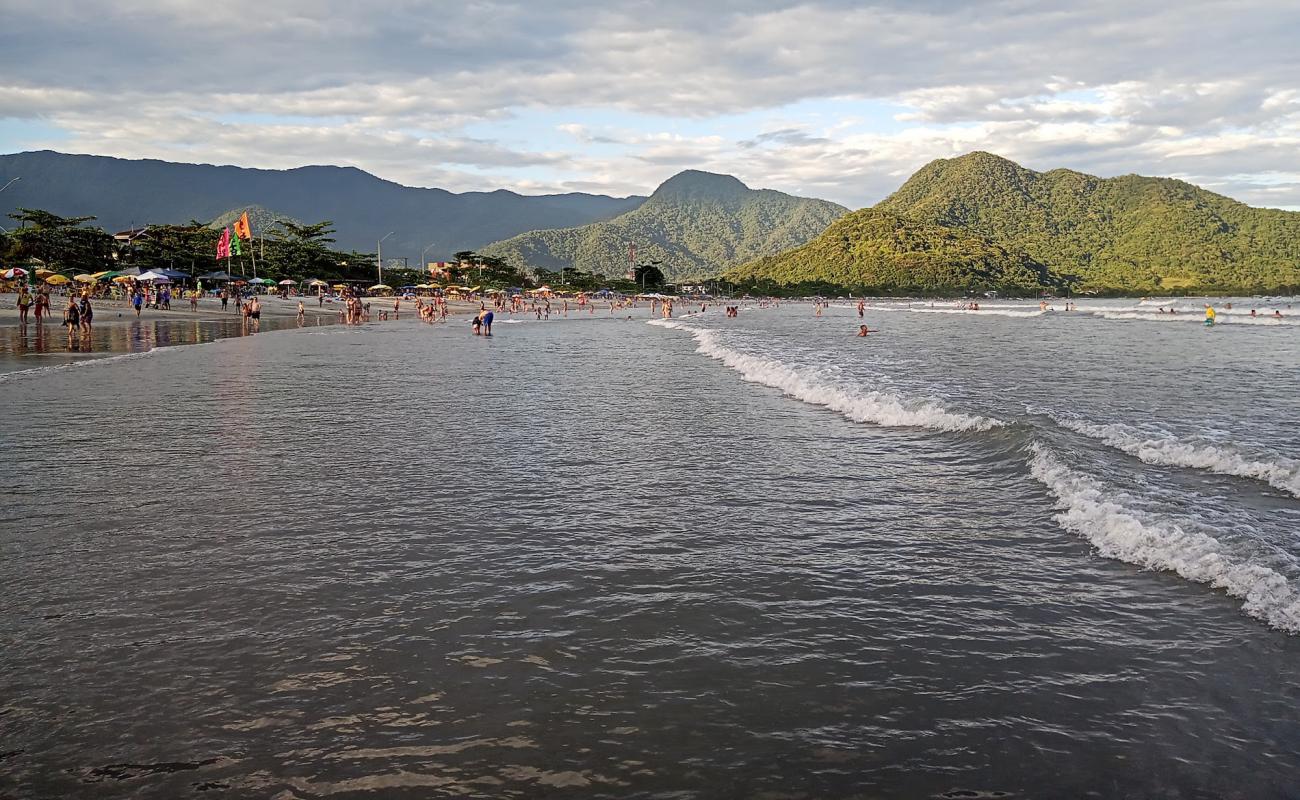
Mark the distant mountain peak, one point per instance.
(694, 183)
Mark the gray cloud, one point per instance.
(1202, 88)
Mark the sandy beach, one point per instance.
(108, 311)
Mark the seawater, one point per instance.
(1012, 554)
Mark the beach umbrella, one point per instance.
(57, 279)
(84, 278)
(124, 279)
(45, 273)
(288, 282)
(149, 276)
(15, 272)
(380, 287)
(317, 282)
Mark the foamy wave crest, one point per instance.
(1165, 451)
(1199, 317)
(983, 312)
(878, 408)
(1149, 541)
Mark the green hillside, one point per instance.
(1129, 233)
(696, 223)
(262, 220)
(878, 251)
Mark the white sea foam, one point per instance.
(1090, 509)
(1198, 316)
(875, 407)
(1281, 473)
(87, 362)
(984, 311)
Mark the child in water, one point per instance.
(862, 330)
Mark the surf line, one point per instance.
(885, 409)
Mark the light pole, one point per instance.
(423, 253)
(379, 254)
(6, 186)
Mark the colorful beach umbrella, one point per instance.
(288, 282)
(14, 272)
(84, 278)
(57, 279)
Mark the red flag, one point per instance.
(223, 244)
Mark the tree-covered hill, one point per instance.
(695, 223)
(1129, 233)
(879, 251)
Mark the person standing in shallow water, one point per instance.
(487, 323)
(25, 300)
(87, 313)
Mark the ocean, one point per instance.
(1003, 553)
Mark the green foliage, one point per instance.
(649, 276)
(695, 224)
(1125, 234)
(880, 252)
(60, 243)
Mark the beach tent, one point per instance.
(154, 277)
(217, 276)
(174, 274)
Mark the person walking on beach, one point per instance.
(137, 300)
(302, 314)
(225, 299)
(255, 312)
(25, 300)
(194, 300)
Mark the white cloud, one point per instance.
(1200, 89)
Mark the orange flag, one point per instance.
(242, 228)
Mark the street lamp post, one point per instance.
(423, 253)
(379, 254)
(6, 186)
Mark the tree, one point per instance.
(649, 276)
(60, 242)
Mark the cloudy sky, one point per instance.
(832, 99)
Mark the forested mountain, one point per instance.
(123, 193)
(695, 224)
(878, 251)
(1128, 233)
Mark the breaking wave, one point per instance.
(874, 407)
(1166, 451)
(1118, 531)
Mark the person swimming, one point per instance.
(862, 330)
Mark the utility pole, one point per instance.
(379, 254)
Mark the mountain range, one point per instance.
(959, 224)
(980, 221)
(695, 224)
(123, 193)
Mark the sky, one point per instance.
(839, 100)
